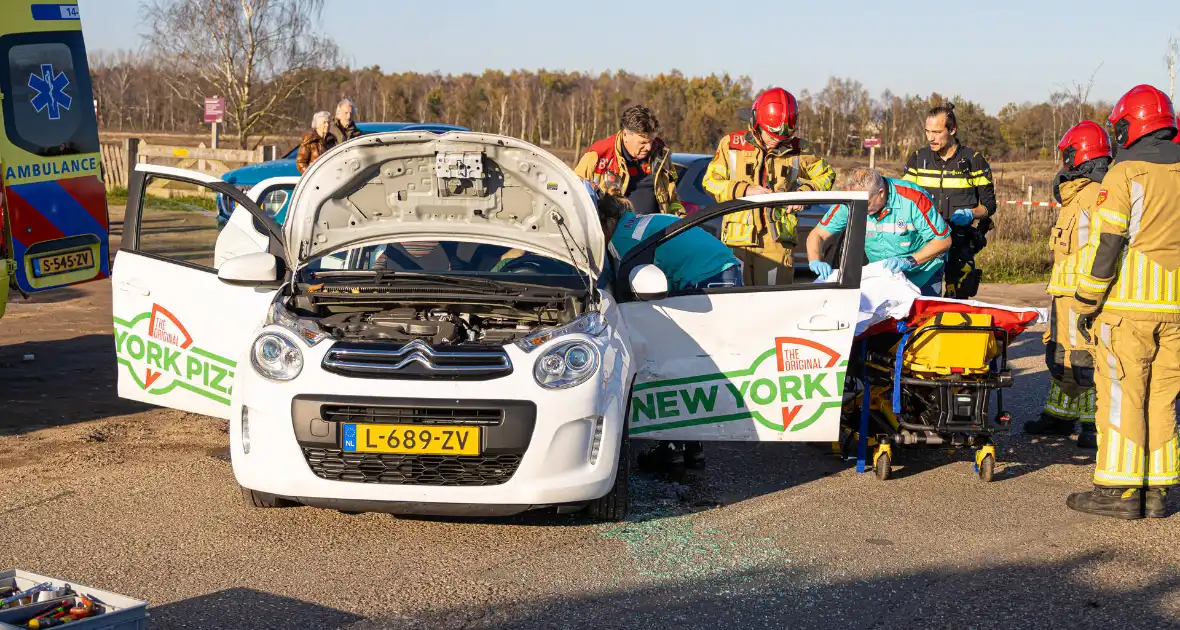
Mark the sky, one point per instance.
(992, 52)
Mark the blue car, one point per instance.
(246, 177)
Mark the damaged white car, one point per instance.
(470, 349)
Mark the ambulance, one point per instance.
(53, 211)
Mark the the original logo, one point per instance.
(51, 91)
(160, 356)
(788, 388)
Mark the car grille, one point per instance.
(416, 360)
(413, 470)
(412, 415)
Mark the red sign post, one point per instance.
(214, 113)
(871, 144)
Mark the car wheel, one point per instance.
(263, 500)
(613, 506)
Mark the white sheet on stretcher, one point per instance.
(890, 295)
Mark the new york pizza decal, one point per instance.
(788, 388)
(160, 355)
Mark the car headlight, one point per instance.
(591, 323)
(276, 357)
(306, 330)
(566, 365)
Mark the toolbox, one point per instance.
(121, 612)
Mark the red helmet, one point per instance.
(1084, 142)
(776, 112)
(1139, 112)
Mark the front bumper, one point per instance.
(550, 448)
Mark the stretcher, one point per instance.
(930, 376)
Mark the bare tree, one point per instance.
(255, 54)
(1170, 59)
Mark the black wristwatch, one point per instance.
(913, 261)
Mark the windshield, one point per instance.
(454, 258)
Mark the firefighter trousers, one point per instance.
(769, 264)
(1137, 379)
(1070, 362)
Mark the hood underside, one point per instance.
(459, 186)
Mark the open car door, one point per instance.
(754, 363)
(181, 331)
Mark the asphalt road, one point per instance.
(142, 502)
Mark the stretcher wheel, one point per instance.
(987, 468)
(883, 467)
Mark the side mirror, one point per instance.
(254, 268)
(648, 282)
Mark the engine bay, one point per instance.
(370, 314)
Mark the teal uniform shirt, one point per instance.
(687, 259)
(905, 225)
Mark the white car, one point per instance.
(430, 371)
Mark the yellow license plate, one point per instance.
(62, 263)
(411, 439)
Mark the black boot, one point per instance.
(1088, 436)
(662, 456)
(1153, 502)
(1125, 503)
(694, 455)
(1049, 424)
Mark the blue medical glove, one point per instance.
(899, 263)
(820, 268)
(962, 216)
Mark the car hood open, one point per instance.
(458, 186)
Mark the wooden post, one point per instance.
(216, 129)
(1029, 194)
(577, 145)
(872, 155)
(270, 152)
(131, 152)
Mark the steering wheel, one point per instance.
(523, 264)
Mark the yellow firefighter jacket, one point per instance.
(1070, 237)
(604, 164)
(1135, 269)
(742, 161)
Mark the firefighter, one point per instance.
(1085, 158)
(1128, 298)
(960, 180)
(762, 159)
(634, 164)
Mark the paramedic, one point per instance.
(763, 159)
(904, 230)
(1129, 302)
(691, 260)
(634, 164)
(960, 181)
(1086, 155)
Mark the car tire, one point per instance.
(613, 507)
(257, 499)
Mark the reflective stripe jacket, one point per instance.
(1135, 271)
(604, 164)
(963, 181)
(742, 161)
(1070, 237)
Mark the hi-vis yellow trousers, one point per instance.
(1061, 405)
(766, 265)
(1137, 380)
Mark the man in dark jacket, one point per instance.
(960, 180)
(344, 126)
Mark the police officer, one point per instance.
(1128, 299)
(1085, 158)
(904, 231)
(765, 158)
(634, 164)
(960, 180)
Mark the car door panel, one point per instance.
(181, 333)
(745, 364)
